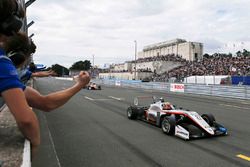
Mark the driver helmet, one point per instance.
(162, 99)
(167, 106)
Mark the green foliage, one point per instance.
(239, 53)
(81, 65)
(245, 53)
(60, 70)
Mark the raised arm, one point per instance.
(56, 99)
(25, 117)
(44, 73)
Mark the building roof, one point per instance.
(164, 44)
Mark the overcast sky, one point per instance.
(69, 31)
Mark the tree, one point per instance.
(238, 53)
(60, 70)
(81, 65)
(206, 55)
(245, 53)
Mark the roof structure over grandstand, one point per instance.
(164, 44)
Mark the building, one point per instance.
(188, 50)
(123, 67)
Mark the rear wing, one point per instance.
(144, 100)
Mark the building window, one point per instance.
(193, 46)
(196, 56)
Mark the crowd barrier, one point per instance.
(241, 92)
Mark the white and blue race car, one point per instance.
(182, 123)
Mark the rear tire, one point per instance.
(131, 112)
(209, 118)
(168, 125)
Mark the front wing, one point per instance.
(190, 132)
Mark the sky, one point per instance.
(105, 31)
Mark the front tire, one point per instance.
(131, 113)
(168, 125)
(209, 118)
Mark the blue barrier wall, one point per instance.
(245, 80)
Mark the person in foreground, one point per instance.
(33, 97)
(13, 92)
(11, 89)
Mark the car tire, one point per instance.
(209, 118)
(131, 113)
(168, 125)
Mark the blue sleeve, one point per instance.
(25, 77)
(8, 76)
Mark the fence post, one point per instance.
(211, 89)
(245, 87)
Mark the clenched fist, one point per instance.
(83, 78)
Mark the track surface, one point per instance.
(92, 130)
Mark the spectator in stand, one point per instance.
(217, 64)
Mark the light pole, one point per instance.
(93, 60)
(135, 56)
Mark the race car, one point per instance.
(93, 86)
(179, 122)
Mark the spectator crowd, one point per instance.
(217, 64)
(167, 57)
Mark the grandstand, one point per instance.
(187, 50)
(154, 65)
(156, 59)
(216, 64)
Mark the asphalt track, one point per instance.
(92, 130)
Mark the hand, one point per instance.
(52, 73)
(83, 78)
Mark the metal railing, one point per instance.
(241, 92)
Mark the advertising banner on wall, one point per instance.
(117, 83)
(177, 88)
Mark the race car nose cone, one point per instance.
(210, 130)
(224, 130)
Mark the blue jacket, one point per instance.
(8, 75)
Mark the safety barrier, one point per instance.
(242, 92)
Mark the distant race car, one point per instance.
(93, 86)
(182, 123)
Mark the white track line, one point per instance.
(245, 103)
(235, 106)
(52, 142)
(116, 98)
(101, 99)
(86, 97)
